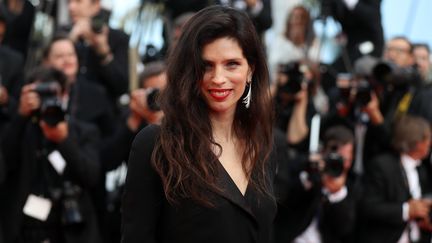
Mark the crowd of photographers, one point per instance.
(353, 136)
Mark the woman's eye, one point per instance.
(207, 66)
(232, 64)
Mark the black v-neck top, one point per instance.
(148, 217)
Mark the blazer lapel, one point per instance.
(231, 192)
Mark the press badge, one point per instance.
(57, 161)
(37, 207)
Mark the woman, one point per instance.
(205, 175)
(297, 43)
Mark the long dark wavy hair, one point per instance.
(183, 154)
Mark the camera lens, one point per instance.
(152, 103)
(295, 77)
(333, 164)
(52, 112)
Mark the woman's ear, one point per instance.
(250, 74)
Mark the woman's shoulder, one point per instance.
(147, 135)
(143, 145)
(142, 149)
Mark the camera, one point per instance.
(99, 21)
(333, 164)
(152, 54)
(295, 77)
(51, 110)
(67, 196)
(356, 92)
(363, 93)
(71, 212)
(152, 95)
(390, 74)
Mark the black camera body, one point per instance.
(295, 77)
(363, 91)
(356, 93)
(152, 95)
(396, 77)
(71, 211)
(152, 54)
(51, 110)
(68, 198)
(334, 164)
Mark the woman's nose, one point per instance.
(219, 75)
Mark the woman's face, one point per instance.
(225, 76)
(62, 56)
(298, 17)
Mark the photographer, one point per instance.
(392, 207)
(400, 94)
(258, 10)
(86, 101)
(294, 98)
(103, 51)
(297, 42)
(319, 203)
(52, 162)
(143, 109)
(361, 26)
(422, 59)
(21, 16)
(11, 64)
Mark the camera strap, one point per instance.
(404, 104)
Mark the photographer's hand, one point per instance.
(81, 29)
(56, 134)
(29, 100)
(373, 110)
(4, 96)
(99, 43)
(418, 209)
(139, 107)
(297, 127)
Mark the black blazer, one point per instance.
(148, 217)
(385, 191)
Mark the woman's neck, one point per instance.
(222, 127)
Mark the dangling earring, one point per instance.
(247, 98)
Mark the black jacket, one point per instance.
(11, 77)
(361, 24)
(298, 206)
(89, 102)
(114, 76)
(385, 191)
(148, 217)
(22, 147)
